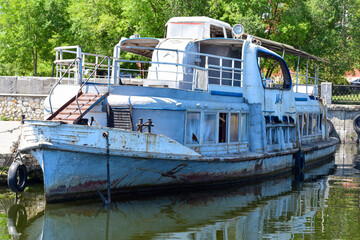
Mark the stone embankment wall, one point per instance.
(24, 96)
(342, 117)
(13, 106)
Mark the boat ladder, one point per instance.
(79, 105)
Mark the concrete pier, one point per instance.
(9, 134)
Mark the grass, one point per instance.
(4, 118)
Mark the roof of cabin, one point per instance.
(280, 47)
(198, 20)
(269, 44)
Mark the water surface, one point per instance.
(325, 206)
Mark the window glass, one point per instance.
(274, 72)
(222, 127)
(209, 128)
(314, 125)
(268, 136)
(286, 134)
(234, 127)
(193, 127)
(310, 120)
(292, 134)
(319, 124)
(305, 125)
(185, 30)
(244, 127)
(274, 136)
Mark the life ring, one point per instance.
(356, 123)
(17, 177)
(330, 126)
(16, 219)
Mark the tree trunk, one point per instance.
(35, 62)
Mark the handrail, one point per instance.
(83, 84)
(58, 82)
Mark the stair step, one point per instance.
(122, 121)
(71, 112)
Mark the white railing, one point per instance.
(311, 84)
(183, 69)
(84, 67)
(168, 68)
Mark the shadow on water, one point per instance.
(279, 208)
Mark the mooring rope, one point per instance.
(11, 130)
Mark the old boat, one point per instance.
(207, 104)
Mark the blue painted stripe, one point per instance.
(230, 94)
(151, 108)
(301, 99)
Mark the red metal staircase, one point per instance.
(70, 112)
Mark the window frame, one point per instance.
(287, 85)
(228, 127)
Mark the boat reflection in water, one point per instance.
(270, 209)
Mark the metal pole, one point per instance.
(79, 74)
(297, 73)
(106, 135)
(307, 76)
(316, 79)
(109, 62)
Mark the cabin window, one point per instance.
(234, 127)
(193, 128)
(314, 125)
(244, 127)
(305, 125)
(268, 135)
(209, 128)
(185, 30)
(292, 134)
(319, 123)
(310, 121)
(286, 134)
(301, 123)
(218, 32)
(274, 71)
(274, 136)
(222, 127)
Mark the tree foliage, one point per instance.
(29, 30)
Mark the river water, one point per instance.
(325, 206)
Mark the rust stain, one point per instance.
(258, 165)
(176, 169)
(82, 187)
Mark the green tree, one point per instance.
(29, 31)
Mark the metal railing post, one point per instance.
(79, 68)
(307, 75)
(316, 79)
(232, 72)
(109, 62)
(297, 73)
(221, 63)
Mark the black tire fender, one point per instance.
(17, 177)
(16, 219)
(356, 123)
(330, 126)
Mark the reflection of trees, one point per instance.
(341, 218)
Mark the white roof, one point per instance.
(199, 19)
